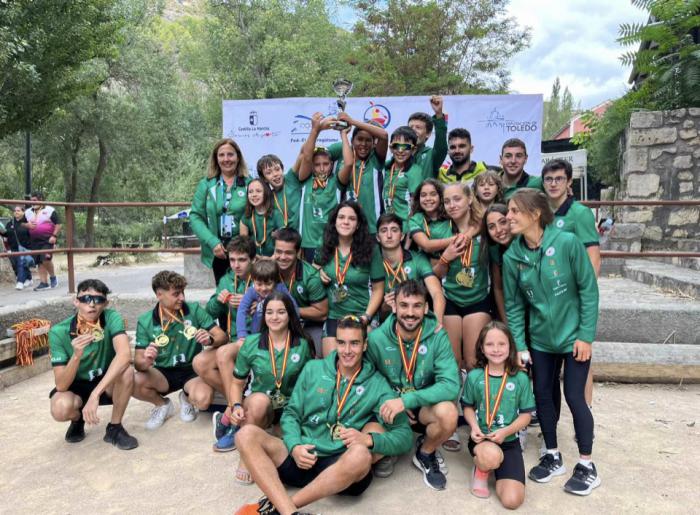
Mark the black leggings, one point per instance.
(546, 368)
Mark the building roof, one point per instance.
(576, 125)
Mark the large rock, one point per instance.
(645, 137)
(637, 216)
(637, 160)
(642, 185)
(646, 120)
(683, 162)
(684, 216)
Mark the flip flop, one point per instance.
(452, 444)
(480, 483)
(243, 477)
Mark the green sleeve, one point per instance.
(376, 267)
(290, 423)
(336, 151)
(202, 318)
(415, 224)
(143, 338)
(59, 343)
(241, 368)
(372, 355)
(526, 399)
(586, 229)
(291, 180)
(440, 144)
(446, 386)
(277, 220)
(415, 178)
(514, 303)
(214, 307)
(398, 438)
(469, 393)
(423, 266)
(314, 287)
(587, 290)
(198, 217)
(114, 323)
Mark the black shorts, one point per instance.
(330, 328)
(176, 377)
(483, 306)
(41, 245)
(83, 389)
(291, 475)
(512, 466)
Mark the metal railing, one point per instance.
(70, 250)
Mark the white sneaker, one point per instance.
(19, 286)
(28, 282)
(160, 414)
(441, 462)
(188, 413)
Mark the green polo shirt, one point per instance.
(289, 197)
(433, 229)
(97, 355)
(574, 217)
(462, 295)
(264, 227)
(414, 266)
(307, 288)
(357, 281)
(254, 356)
(316, 205)
(431, 158)
(179, 352)
(232, 284)
(517, 398)
(399, 187)
(525, 181)
(370, 188)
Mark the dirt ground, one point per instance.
(647, 448)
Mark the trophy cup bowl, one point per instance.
(342, 88)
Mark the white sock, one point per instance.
(585, 463)
(554, 452)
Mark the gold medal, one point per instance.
(161, 340)
(335, 431)
(340, 294)
(98, 334)
(465, 277)
(408, 389)
(278, 400)
(190, 332)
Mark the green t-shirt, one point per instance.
(463, 295)
(232, 284)
(414, 266)
(356, 284)
(97, 355)
(517, 398)
(430, 159)
(287, 200)
(179, 352)
(307, 288)
(574, 217)
(525, 181)
(367, 180)
(433, 229)
(254, 356)
(262, 233)
(399, 187)
(316, 205)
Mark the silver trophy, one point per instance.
(342, 88)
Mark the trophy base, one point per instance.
(339, 125)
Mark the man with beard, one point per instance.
(462, 169)
(414, 353)
(514, 176)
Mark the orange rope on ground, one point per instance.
(27, 342)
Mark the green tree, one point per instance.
(44, 46)
(558, 110)
(448, 46)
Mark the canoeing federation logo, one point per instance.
(378, 114)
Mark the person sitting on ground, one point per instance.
(416, 357)
(330, 434)
(91, 358)
(167, 340)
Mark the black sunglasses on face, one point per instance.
(92, 299)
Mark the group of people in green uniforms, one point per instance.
(378, 298)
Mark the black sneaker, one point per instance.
(548, 467)
(583, 480)
(76, 431)
(428, 464)
(534, 421)
(263, 507)
(42, 287)
(117, 436)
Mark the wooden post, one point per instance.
(69, 245)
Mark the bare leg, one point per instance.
(440, 421)
(258, 412)
(329, 345)
(65, 406)
(148, 385)
(225, 362)
(205, 365)
(471, 327)
(374, 427)
(453, 326)
(199, 393)
(510, 492)
(122, 390)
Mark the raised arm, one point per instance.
(345, 172)
(378, 133)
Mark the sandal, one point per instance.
(480, 483)
(243, 477)
(453, 443)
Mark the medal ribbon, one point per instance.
(426, 227)
(235, 290)
(467, 255)
(83, 326)
(491, 415)
(398, 274)
(171, 318)
(320, 182)
(409, 366)
(342, 400)
(357, 181)
(291, 280)
(392, 184)
(273, 363)
(255, 232)
(340, 276)
(284, 198)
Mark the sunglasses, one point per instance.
(320, 149)
(92, 299)
(401, 146)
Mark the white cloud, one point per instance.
(574, 40)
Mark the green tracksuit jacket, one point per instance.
(431, 158)
(558, 284)
(436, 376)
(313, 408)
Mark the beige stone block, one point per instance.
(642, 185)
(679, 233)
(646, 119)
(645, 137)
(694, 111)
(656, 153)
(683, 162)
(696, 154)
(637, 160)
(685, 187)
(684, 216)
(677, 113)
(637, 216)
(687, 133)
(653, 233)
(685, 176)
(688, 124)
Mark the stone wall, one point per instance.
(661, 162)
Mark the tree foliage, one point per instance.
(558, 110)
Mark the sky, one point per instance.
(574, 40)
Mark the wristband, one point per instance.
(237, 405)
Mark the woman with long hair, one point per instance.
(495, 233)
(261, 220)
(428, 224)
(348, 261)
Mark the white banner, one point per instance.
(281, 125)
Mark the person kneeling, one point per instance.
(330, 439)
(497, 402)
(91, 358)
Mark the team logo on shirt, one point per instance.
(300, 289)
(422, 350)
(241, 193)
(560, 223)
(407, 269)
(549, 252)
(510, 386)
(92, 374)
(187, 323)
(295, 358)
(360, 390)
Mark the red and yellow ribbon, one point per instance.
(491, 413)
(273, 362)
(409, 365)
(340, 276)
(342, 400)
